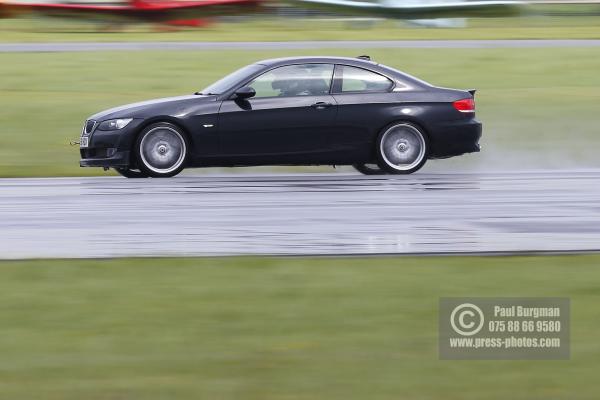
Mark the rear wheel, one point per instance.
(368, 169)
(161, 150)
(402, 148)
(131, 173)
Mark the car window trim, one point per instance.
(338, 77)
(266, 71)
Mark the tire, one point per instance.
(161, 150)
(368, 169)
(402, 148)
(130, 173)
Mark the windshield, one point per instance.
(224, 84)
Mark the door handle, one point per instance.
(319, 105)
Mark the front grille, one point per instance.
(88, 127)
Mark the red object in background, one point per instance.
(195, 23)
(183, 13)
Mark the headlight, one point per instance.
(114, 124)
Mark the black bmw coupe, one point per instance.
(289, 111)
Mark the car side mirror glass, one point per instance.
(245, 93)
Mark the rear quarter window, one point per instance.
(354, 79)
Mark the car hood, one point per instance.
(166, 106)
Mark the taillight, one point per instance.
(465, 105)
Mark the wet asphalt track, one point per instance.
(304, 45)
(300, 214)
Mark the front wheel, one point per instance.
(402, 148)
(368, 169)
(161, 150)
(130, 173)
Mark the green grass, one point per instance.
(538, 106)
(272, 29)
(255, 328)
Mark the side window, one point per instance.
(361, 80)
(294, 80)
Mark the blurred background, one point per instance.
(286, 328)
(538, 103)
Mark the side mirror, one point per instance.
(244, 93)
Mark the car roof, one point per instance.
(316, 59)
(363, 61)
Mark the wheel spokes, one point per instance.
(403, 147)
(162, 150)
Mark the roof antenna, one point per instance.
(364, 57)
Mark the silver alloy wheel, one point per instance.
(162, 150)
(403, 147)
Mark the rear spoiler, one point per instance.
(472, 91)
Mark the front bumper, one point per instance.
(118, 159)
(109, 148)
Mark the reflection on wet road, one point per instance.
(300, 214)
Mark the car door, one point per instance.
(291, 114)
(363, 98)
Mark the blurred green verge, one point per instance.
(273, 328)
(539, 106)
(258, 28)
